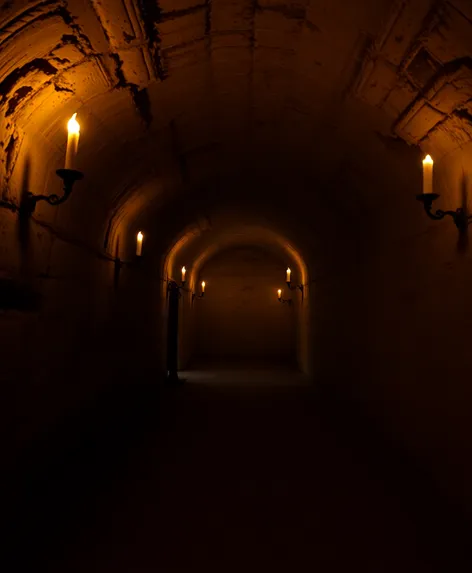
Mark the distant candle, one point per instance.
(184, 270)
(139, 244)
(279, 293)
(289, 272)
(428, 174)
(73, 129)
(203, 287)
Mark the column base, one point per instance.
(173, 378)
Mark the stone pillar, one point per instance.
(173, 293)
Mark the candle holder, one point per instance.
(195, 295)
(295, 287)
(175, 286)
(287, 300)
(459, 216)
(68, 176)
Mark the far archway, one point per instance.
(241, 322)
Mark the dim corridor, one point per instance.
(233, 471)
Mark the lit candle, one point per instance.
(289, 272)
(279, 293)
(428, 174)
(203, 287)
(73, 129)
(139, 244)
(184, 270)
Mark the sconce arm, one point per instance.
(459, 216)
(295, 287)
(68, 176)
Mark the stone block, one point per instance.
(450, 97)
(422, 122)
(452, 37)
(183, 30)
(119, 19)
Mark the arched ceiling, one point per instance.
(197, 246)
(175, 94)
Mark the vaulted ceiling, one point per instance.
(174, 96)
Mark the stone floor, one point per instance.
(233, 471)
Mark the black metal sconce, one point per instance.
(280, 299)
(174, 286)
(295, 287)
(289, 283)
(202, 294)
(459, 216)
(68, 176)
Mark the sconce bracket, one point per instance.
(300, 287)
(173, 285)
(288, 300)
(68, 176)
(459, 216)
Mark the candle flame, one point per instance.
(73, 125)
(203, 284)
(428, 160)
(288, 270)
(184, 270)
(279, 292)
(140, 236)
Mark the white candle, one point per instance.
(139, 244)
(279, 293)
(184, 270)
(289, 272)
(203, 287)
(73, 129)
(428, 174)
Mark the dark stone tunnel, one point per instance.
(229, 427)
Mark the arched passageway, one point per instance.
(240, 318)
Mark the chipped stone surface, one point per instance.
(249, 73)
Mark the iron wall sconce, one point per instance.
(173, 285)
(283, 300)
(459, 216)
(201, 295)
(295, 287)
(289, 282)
(68, 176)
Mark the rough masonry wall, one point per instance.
(68, 329)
